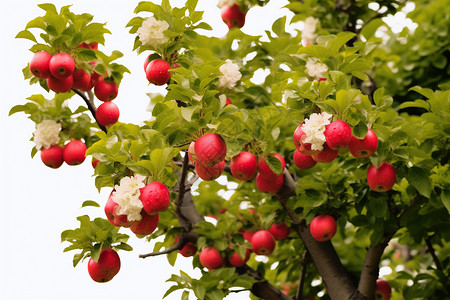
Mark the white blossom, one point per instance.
(151, 33)
(126, 195)
(308, 34)
(230, 74)
(314, 129)
(47, 134)
(315, 68)
(223, 3)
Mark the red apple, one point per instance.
(150, 58)
(209, 173)
(52, 157)
(107, 114)
(233, 16)
(107, 266)
(210, 149)
(210, 258)
(323, 228)
(189, 249)
(303, 161)
(39, 64)
(81, 80)
(263, 242)
(266, 172)
(243, 166)
(228, 101)
(269, 186)
(338, 134)
(157, 72)
(155, 197)
(365, 147)
(112, 215)
(381, 179)
(146, 225)
(326, 155)
(61, 65)
(106, 90)
(279, 231)
(60, 85)
(236, 261)
(74, 152)
(383, 290)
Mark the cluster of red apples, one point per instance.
(338, 135)
(155, 197)
(62, 75)
(263, 242)
(73, 153)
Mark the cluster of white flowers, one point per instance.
(223, 3)
(230, 74)
(47, 134)
(314, 127)
(151, 33)
(308, 34)
(315, 68)
(126, 195)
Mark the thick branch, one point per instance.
(334, 275)
(370, 269)
(262, 288)
(91, 107)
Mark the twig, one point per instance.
(438, 264)
(301, 283)
(90, 104)
(176, 246)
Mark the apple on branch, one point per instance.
(323, 228)
(210, 258)
(107, 266)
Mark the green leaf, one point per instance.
(279, 26)
(185, 295)
(274, 164)
(370, 28)
(25, 34)
(90, 203)
(417, 103)
(419, 179)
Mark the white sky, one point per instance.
(38, 203)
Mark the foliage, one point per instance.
(361, 88)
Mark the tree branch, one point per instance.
(305, 261)
(334, 275)
(262, 288)
(438, 264)
(177, 246)
(370, 269)
(90, 104)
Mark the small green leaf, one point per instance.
(25, 34)
(90, 203)
(274, 164)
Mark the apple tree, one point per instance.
(331, 165)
